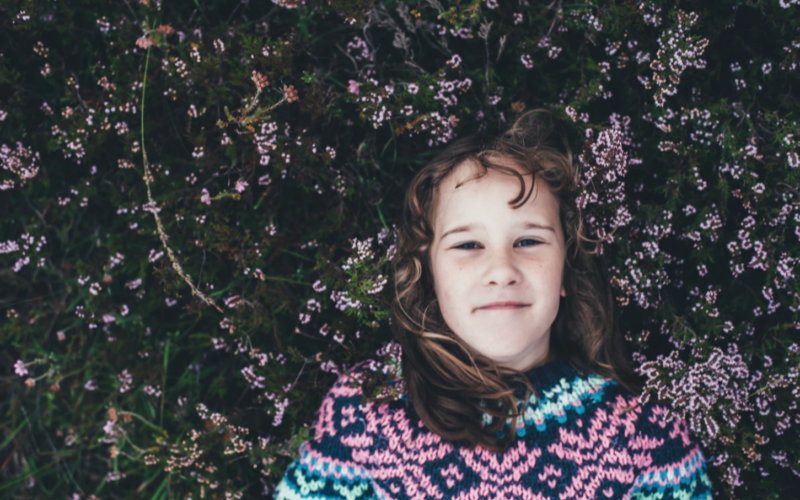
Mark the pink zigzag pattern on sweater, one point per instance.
(688, 465)
(599, 453)
(510, 492)
(517, 460)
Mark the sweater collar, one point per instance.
(551, 373)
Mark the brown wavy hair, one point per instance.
(451, 388)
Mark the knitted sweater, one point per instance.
(571, 444)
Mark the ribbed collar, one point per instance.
(543, 378)
(547, 376)
(551, 373)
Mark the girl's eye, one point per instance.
(521, 241)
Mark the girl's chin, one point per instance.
(503, 352)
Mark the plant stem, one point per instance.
(162, 235)
(144, 420)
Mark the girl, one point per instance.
(497, 300)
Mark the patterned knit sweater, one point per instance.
(571, 444)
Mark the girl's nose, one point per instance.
(503, 270)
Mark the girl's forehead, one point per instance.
(470, 171)
(463, 197)
(468, 180)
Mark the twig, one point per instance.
(298, 332)
(162, 235)
(355, 64)
(558, 11)
(488, 60)
(200, 276)
(140, 450)
(299, 373)
(78, 93)
(143, 420)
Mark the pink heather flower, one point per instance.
(109, 318)
(353, 87)
(227, 323)
(133, 285)
(318, 286)
(19, 368)
(329, 366)
(109, 427)
(90, 385)
(144, 42)
(526, 60)
(154, 255)
(205, 197)
(30, 382)
(794, 159)
(280, 407)
(240, 186)
(454, 61)
(233, 301)
(126, 380)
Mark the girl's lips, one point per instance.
(506, 306)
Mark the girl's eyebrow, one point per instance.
(470, 227)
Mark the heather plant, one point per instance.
(199, 202)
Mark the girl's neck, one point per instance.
(551, 356)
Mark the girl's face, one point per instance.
(484, 252)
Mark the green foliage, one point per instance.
(186, 355)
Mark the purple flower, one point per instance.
(19, 368)
(126, 380)
(353, 87)
(109, 427)
(526, 60)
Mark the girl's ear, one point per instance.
(563, 291)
